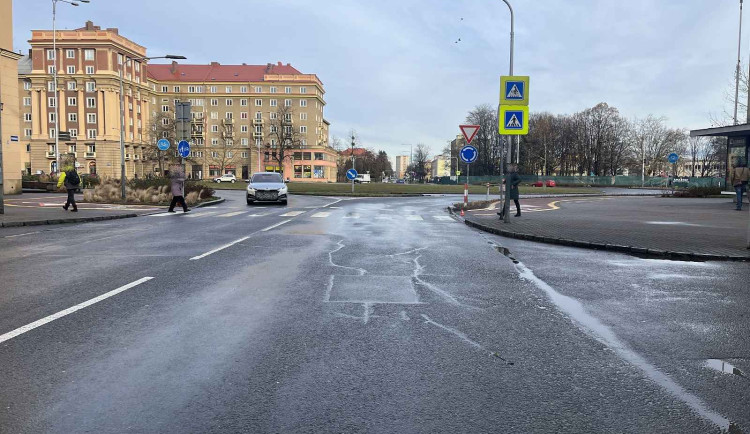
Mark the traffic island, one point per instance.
(669, 228)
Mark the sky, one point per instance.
(396, 73)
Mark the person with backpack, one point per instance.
(738, 178)
(178, 189)
(70, 179)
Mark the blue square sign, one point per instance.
(514, 119)
(515, 90)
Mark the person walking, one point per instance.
(738, 178)
(514, 179)
(70, 179)
(178, 189)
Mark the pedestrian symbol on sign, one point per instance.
(512, 122)
(514, 93)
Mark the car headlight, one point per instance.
(283, 190)
(251, 190)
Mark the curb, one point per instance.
(64, 221)
(211, 203)
(630, 250)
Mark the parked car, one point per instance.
(549, 182)
(227, 177)
(266, 187)
(362, 178)
(400, 181)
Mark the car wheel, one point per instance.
(250, 202)
(283, 202)
(233, 181)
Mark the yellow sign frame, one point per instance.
(503, 130)
(504, 95)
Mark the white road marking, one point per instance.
(444, 218)
(414, 217)
(231, 214)
(68, 311)
(321, 215)
(383, 217)
(218, 249)
(162, 214)
(22, 235)
(274, 226)
(292, 214)
(257, 215)
(200, 214)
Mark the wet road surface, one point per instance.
(361, 315)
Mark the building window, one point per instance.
(259, 129)
(303, 116)
(243, 102)
(176, 89)
(258, 102)
(213, 89)
(70, 54)
(273, 89)
(287, 89)
(273, 116)
(72, 85)
(89, 69)
(91, 134)
(27, 132)
(71, 69)
(72, 101)
(243, 115)
(27, 117)
(91, 102)
(258, 89)
(165, 88)
(51, 101)
(288, 117)
(27, 85)
(27, 100)
(243, 128)
(88, 54)
(165, 121)
(191, 89)
(303, 129)
(214, 128)
(303, 103)
(229, 89)
(119, 59)
(273, 103)
(51, 69)
(165, 108)
(214, 102)
(50, 54)
(52, 118)
(72, 117)
(50, 86)
(288, 130)
(90, 86)
(273, 129)
(73, 132)
(244, 154)
(228, 153)
(303, 89)
(287, 103)
(229, 102)
(243, 89)
(214, 115)
(199, 89)
(52, 133)
(258, 115)
(214, 142)
(90, 118)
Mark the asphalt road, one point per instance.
(361, 315)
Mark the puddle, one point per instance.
(722, 366)
(506, 252)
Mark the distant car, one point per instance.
(550, 183)
(266, 187)
(400, 181)
(227, 177)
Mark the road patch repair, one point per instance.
(674, 228)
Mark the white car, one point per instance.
(267, 187)
(227, 177)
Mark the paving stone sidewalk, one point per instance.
(653, 226)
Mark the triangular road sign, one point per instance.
(513, 122)
(469, 132)
(514, 92)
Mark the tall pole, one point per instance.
(506, 216)
(122, 135)
(54, 81)
(2, 182)
(353, 162)
(643, 164)
(737, 72)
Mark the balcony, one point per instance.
(227, 135)
(90, 155)
(227, 121)
(135, 157)
(50, 154)
(127, 157)
(257, 121)
(197, 132)
(257, 134)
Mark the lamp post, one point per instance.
(54, 75)
(737, 72)
(353, 161)
(506, 216)
(122, 114)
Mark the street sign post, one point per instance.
(468, 154)
(514, 90)
(163, 144)
(351, 174)
(183, 148)
(673, 157)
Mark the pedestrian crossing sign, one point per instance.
(514, 120)
(514, 90)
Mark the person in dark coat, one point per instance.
(178, 189)
(515, 181)
(70, 179)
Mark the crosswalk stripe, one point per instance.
(292, 214)
(443, 217)
(257, 215)
(231, 214)
(200, 214)
(414, 217)
(321, 214)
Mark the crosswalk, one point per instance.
(316, 213)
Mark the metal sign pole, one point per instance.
(506, 217)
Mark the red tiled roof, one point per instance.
(358, 152)
(217, 72)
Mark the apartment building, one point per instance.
(402, 163)
(245, 118)
(441, 166)
(14, 151)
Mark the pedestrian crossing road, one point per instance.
(311, 213)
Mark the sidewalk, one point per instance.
(31, 209)
(675, 228)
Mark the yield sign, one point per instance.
(469, 132)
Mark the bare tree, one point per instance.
(226, 154)
(420, 158)
(653, 142)
(162, 126)
(282, 136)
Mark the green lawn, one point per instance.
(376, 189)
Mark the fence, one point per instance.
(594, 181)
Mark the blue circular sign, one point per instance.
(183, 148)
(163, 144)
(469, 154)
(673, 158)
(351, 174)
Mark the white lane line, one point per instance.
(274, 226)
(444, 218)
(218, 249)
(231, 214)
(162, 214)
(200, 214)
(22, 235)
(414, 217)
(257, 215)
(292, 214)
(68, 311)
(321, 215)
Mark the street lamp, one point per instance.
(506, 217)
(353, 161)
(122, 114)
(54, 72)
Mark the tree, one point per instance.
(653, 142)
(706, 154)
(487, 141)
(382, 165)
(419, 161)
(226, 154)
(282, 138)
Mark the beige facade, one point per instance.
(14, 152)
(402, 163)
(236, 110)
(441, 166)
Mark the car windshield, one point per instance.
(266, 177)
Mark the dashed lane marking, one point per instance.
(292, 214)
(232, 214)
(414, 217)
(321, 215)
